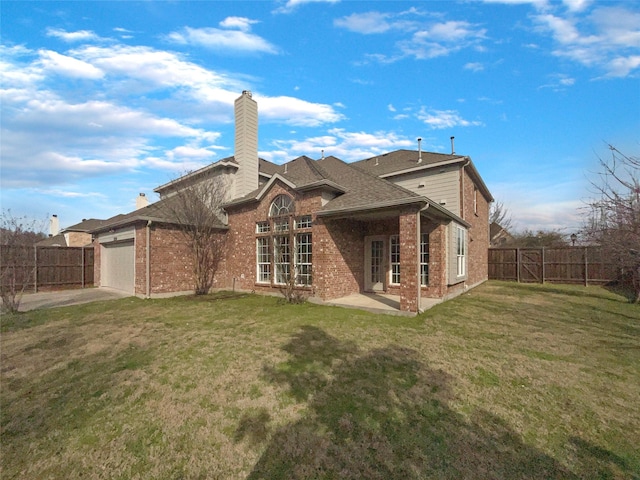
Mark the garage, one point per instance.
(118, 265)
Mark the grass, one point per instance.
(506, 381)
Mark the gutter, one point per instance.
(377, 206)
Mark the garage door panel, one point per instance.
(118, 266)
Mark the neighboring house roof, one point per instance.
(160, 211)
(55, 241)
(400, 162)
(498, 235)
(86, 225)
(60, 240)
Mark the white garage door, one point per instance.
(118, 266)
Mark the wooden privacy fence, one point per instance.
(49, 268)
(551, 264)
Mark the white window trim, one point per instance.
(461, 252)
(392, 264)
(424, 244)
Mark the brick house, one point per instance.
(408, 223)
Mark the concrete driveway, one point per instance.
(33, 301)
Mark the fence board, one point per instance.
(56, 267)
(554, 264)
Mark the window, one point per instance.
(263, 260)
(303, 259)
(284, 252)
(461, 251)
(281, 205)
(281, 225)
(424, 259)
(304, 222)
(394, 258)
(475, 200)
(282, 258)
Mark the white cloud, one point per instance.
(576, 5)
(223, 40)
(78, 36)
(607, 38)
(438, 119)
(291, 5)
(474, 66)
(68, 66)
(340, 143)
(294, 111)
(240, 23)
(366, 23)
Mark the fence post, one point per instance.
(586, 268)
(82, 252)
(518, 264)
(35, 269)
(543, 270)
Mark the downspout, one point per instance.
(147, 260)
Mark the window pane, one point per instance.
(263, 260)
(281, 205)
(303, 259)
(394, 253)
(424, 259)
(282, 258)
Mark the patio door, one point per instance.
(374, 264)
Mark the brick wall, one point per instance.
(239, 263)
(339, 261)
(478, 241)
(77, 239)
(409, 249)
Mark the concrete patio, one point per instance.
(377, 303)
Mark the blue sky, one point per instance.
(103, 100)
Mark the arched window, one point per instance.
(281, 205)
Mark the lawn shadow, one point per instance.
(384, 414)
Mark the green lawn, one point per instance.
(506, 381)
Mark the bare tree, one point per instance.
(196, 209)
(613, 218)
(500, 215)
(18, 236)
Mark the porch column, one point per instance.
(409, 260)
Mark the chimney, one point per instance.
(453, 150)
(54, 225)
(141, 201)
(246, 143)
(419, 150)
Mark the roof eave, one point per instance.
(423, 166)
(376, 206)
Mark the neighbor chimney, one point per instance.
(419, 150)
(54, 225)
(141, 201)
(453, 150)
(246, 143)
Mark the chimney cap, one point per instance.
(247, 92)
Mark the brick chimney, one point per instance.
(246, 143)
(54, 225)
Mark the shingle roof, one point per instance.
(55, 241)
(400, 160)
(265, 168)
(85, 225)
(160, 211)
(363, 190)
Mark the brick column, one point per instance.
(409, 251)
